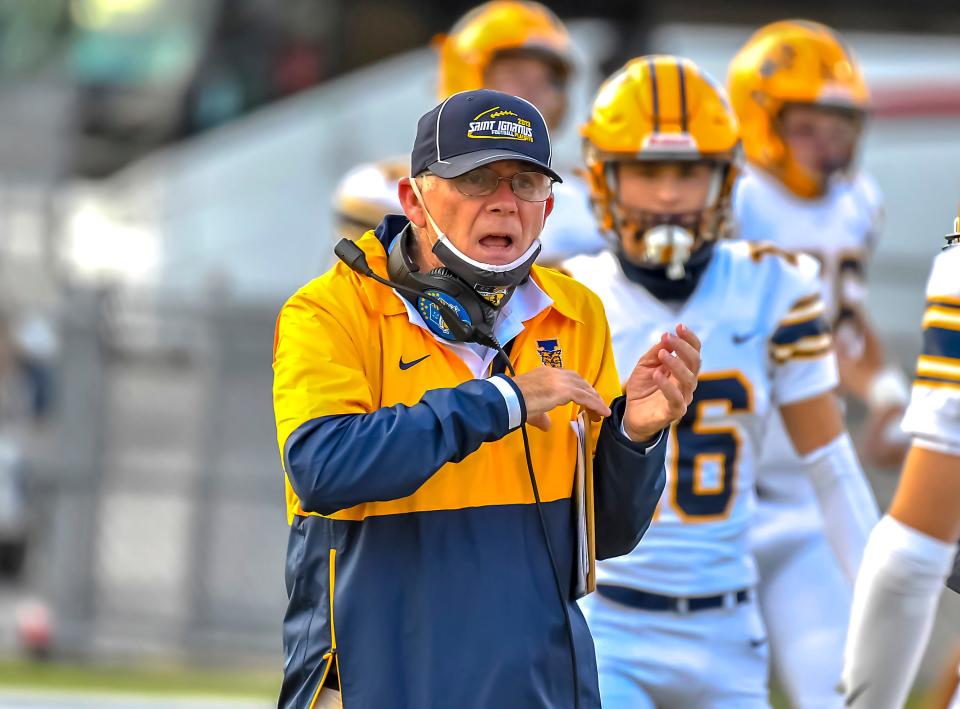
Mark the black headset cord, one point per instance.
(546, 539)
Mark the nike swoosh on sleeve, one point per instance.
(739, 339)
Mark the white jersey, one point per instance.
(933, 417)
(765, 344)
(838, 230)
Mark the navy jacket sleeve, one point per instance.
(627, 486)
(335, 462)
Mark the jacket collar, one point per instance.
(374, 245)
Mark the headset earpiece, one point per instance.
(443, 284)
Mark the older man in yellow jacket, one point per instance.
(431, 554)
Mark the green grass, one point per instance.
(245, 683)
(163, 680)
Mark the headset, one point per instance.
(442, 284)
(454, 299)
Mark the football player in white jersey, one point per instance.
(801, 101)
(911, 550)
(675, 622)
(517, 47)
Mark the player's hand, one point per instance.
(882, 444)
(546, 388)
(860, 357)
(661, 386)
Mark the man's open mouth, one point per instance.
(501, 241)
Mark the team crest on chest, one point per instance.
(550, 353)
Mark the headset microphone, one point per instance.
(353, 256)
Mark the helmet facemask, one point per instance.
(824, 154)
(668, 239)
(544, 84)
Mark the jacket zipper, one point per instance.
(331, 656)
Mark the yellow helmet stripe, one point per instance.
(656, 94)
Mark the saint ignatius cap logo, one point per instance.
(496, 123)
(475, 128)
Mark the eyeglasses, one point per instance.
(482, 181)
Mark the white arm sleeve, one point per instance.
(894, 602)
(846, 502)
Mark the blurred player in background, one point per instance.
(801, 100)
(910, 551)
(365, 194)
(520, 48)
(676, 622)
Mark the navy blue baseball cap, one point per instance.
(474, 128)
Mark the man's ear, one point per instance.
(411, 205)
(548, 206)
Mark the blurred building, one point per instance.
(144, 73)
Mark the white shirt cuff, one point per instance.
(510, 398)
(623, 430)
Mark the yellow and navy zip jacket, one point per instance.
(417, 575)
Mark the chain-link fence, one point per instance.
(160, 508)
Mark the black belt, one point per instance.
(655, 602)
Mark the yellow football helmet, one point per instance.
(661, 109)
(790, 62)
(495, 27)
